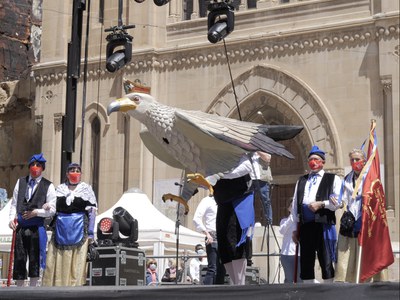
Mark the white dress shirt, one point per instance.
(50, 199)
(286, 228)
(205, 215)
(246, 166)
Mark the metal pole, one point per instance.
(73, 74)
(84, 82)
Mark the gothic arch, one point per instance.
(296, 103)
(97, 109)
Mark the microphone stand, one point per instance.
(268, 225)
(177, 225)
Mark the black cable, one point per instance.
(233, 84)
(85, 80)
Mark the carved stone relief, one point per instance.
(57, 122)
(255, 50)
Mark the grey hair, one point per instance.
(358, 151)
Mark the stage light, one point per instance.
(127, 225)
(221, 19)
(108, 230)
(106, 225)
(119, 48)
(161, 2)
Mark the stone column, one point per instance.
(175, 11)
(388, 142)
(56, 146)
(195, 14)
(146, 171)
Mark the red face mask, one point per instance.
(35, 171)
(74, 178)
(357, 166)
(315, 164)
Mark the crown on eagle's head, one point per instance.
(136, 86)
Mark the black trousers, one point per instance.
(311, 244)
(229, 234)
(26, 246)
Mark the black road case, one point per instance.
(118, 266)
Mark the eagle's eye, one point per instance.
(136, 99)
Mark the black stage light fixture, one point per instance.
(109, 229)
(221, 19)
(119, 47)
(161, 2)
(127, 225)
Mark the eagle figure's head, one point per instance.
(136, 104)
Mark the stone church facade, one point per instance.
(328, 65)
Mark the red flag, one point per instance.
(374, 238)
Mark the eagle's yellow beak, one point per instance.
(122, 104)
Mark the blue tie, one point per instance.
(312, 178)
(32, 183)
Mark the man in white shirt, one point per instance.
(27, 219)
(288, 249)
(196, 263)
(315, 215)
(204, 221)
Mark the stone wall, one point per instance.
(20, 129)
(19, 38)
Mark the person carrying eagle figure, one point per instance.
(215, 153)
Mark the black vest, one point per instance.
(38, 197)
(324, 190)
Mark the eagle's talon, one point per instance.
(178, 199)
(199, 179)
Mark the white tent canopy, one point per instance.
(5, 230)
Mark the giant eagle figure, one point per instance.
(199, 142)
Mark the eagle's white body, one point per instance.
(196, 141)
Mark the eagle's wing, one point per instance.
(155, 148)
(214, 155)
(244, 135)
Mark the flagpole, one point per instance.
(358, 265)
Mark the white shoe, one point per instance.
(310, 281)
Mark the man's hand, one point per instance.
(46, 206)
(13, 225)
(314, 206)
(209, 239)
(29, 214)
(264, 156)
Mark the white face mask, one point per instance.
(153, 267)
(200, 252)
